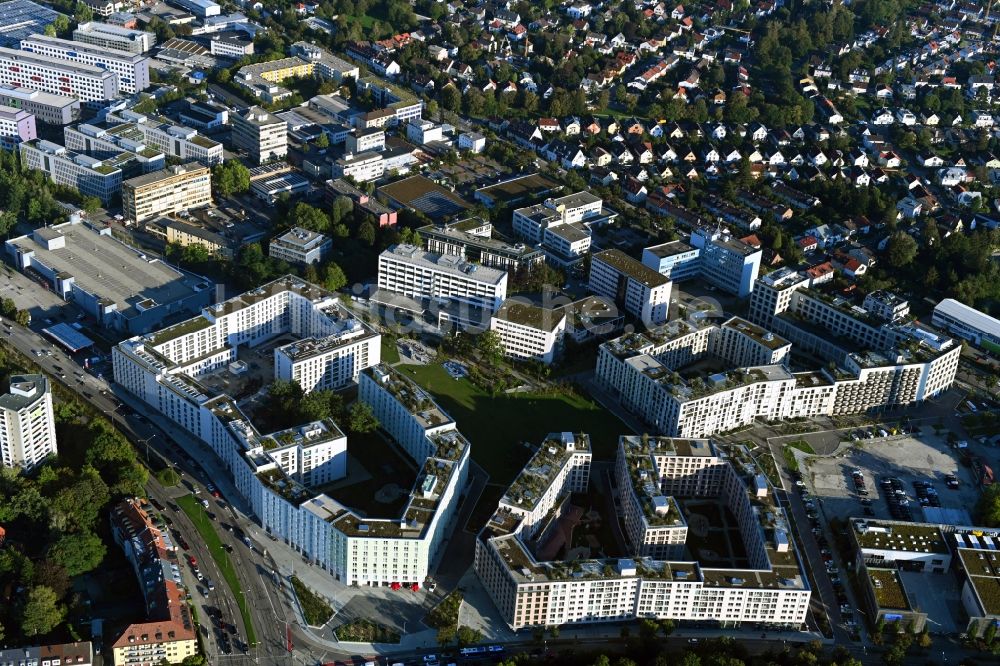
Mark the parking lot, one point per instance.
(895, 473)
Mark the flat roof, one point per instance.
(969, 316)
(633, 268)
(37, 96)
(528, 314)
(20, 18)
(28, 388)
(517, 189)
(111, 270)
(425, 195)
(55, 63)
(447, 263)
(68, 337)
(83, 47)
(165, 174)
(670, 249)
(888, 587)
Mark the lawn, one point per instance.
(790, 460)
(390, 352)
(366, 631)
(207, 530)
(498, 427)
(316, 611)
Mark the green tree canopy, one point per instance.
(78, 553)
(362, 418)
(42, 612)
(901, 250)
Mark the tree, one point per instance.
(446, 635)
(491, 347)
(194, 660)
(901, 249)
(23, 317)
(468, 636)
(168, 477)
(451, 98)
(333, 277)
(230, 177)
(42, 612)
(54, 576)
(362, 418)
(366, 233)
(988, 506)
(90, 205)
(322, 141)
(310, 217)
(78, 553)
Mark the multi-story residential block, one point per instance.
(642, 372)
(46, 107)
(27, 426)
(528, 331)
(968, 323)
(362, 167)
(887, 306)
(173, 140)
(675, 260)
(92, 176)
(403, 104)
(300, 246)
(263, 78)
(165, 192)
(412, 272)
(419, 131)
(16, 125)
(327, 65)
(472, 239)
(529, 592)
(55, 75)
(261, 134)
(727, 262)
(75, 654)
(637, 289)
(132, 69)
(169, 633)
(108, 36)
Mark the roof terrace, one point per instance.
(536, 477)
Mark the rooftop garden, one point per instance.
(188, 326)
(888, 589)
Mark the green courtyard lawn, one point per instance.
(211, 538)
(498, 426)
(390, 352)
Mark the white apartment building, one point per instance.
(560, 466)
(365, 141)
(46, 107)
(166, 192)
(132, 69)
(330, 362)
(637, 289)
(56, 75)
(108, 144)
(173, 140)
(109, 36)
(300, 246)
(641, 371)
(261, 134)
(16, 125)
(27, 425)
(562, 227)
(362, 167)
(90, 175)
(412, 272)
(773, 590)
(529, 332)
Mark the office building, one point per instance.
(416, 274)
(16, 125)
(968, 323)
(529, 332)
(46, 107)
(365, 140)
(165, 192)
(201, 8)
(69, 654)
(419, 132)
(562, 227)
(635, 288)
(300, 246)
(676, 260)
(88, 83)
(27, 426)
(231, 44)
(132, 69)
(173, 140)
(169, 632)
(92, 176)
(401, 104)
(362, 167)
(529, 591)
(108, 36)
(473, 240)
(109, 143)
(727, 262)
(262, 135)
(119, 286)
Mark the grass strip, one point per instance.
(204, 526)
(317, 611)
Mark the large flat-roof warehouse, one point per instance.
(119, 286)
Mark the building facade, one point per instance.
(637, 289)
(412, 272)
(46, 107)
(16, 125)
(101, 178)
(261, 134)
(529, 332)
(132, 69)
(109, 36)
(27, 425)
(300, 246)
(166, 192)
(88, 83)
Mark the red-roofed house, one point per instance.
(854, 268)
(808, 243)
(820, 273)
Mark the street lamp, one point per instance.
(146, 442)
(113, 413)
